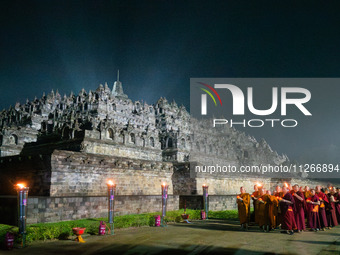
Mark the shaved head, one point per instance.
(242, 190)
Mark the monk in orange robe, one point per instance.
(272, 204)
(307, 192)
(255, 196)
(263, 215)
(243, 204)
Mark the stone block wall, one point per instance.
(222, 202)
(55, 209)
(216, 202)
(84, 174)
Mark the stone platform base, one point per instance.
(54, 209)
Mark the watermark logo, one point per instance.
(242, 102)
(238, 100)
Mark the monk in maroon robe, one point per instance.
(299, 208)
(330, 210)
(313, 204)
(286, 206)
(322, 208)
(337, 203)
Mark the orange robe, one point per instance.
(244, 208)
(263, 215)
(256, 194)
(273, 204)
(307, 194)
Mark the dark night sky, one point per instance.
(159, 45)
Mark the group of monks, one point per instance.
(290, 208)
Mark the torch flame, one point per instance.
(21, 185)
(258, 184)
(204, 185)
(163, 184)
(286, 184)
(110, 182)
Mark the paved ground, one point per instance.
(208, 237)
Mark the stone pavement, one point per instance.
(208, 237)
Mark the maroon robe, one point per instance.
(313, 213)
(288, 220)
(337, 206)
(322, 211)
(330, 213)
(299, 211)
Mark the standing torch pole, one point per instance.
(22, 211)
(164, 203)
(205, 199)
(111, 196)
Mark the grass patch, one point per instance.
(63, 230)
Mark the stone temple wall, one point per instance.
(84, 174)
(69, 185)
(66, 173)
(54, 209)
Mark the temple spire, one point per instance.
(117, 90)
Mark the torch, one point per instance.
(111, 193)
(22, 211)
(259, 185)
(205, 200)
(164, 202)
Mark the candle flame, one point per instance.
(21, 185)
(204, 185)
(258, 184)
(286, 184)
(110, 182)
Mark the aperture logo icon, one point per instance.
(204, 97)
